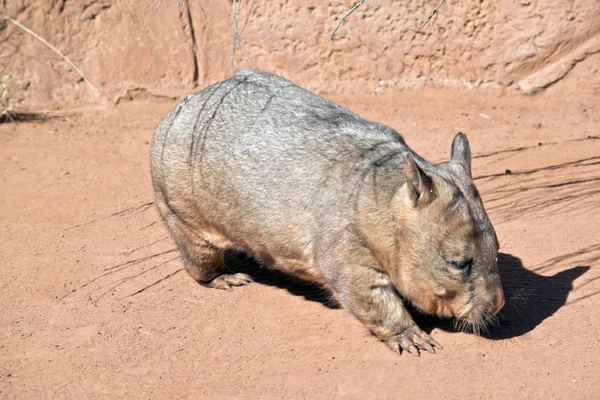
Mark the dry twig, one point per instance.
(54, 49)
(205, 19)
(247, 16)
(182, 2)
(179, 2)
(235, 12)
(6, 103)
(344, 18)
(235, 15)
(435, 10)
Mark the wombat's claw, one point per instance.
(226, 281)
(411, 340)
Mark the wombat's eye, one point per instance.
(463, 266)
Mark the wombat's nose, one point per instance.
(499, 300)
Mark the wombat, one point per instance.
(258, 164)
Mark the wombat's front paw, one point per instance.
(413, 339)
(226, 281)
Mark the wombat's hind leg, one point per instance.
(226, 281)
(206, 264)
(204, 261)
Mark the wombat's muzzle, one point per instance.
(488, 303)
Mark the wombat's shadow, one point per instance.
(240, 262)
(530, 298)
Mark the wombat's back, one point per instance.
(257, 155)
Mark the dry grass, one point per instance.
(54, 49)
(6, 101)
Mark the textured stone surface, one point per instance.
(127, 50)
(557, 70)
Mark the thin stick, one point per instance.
(344, 18)
(433, 13)
(235, 36)
(205, 19)
(201, 8)
(247, 17)
(54, 49)
(179, 2)
(237, 32)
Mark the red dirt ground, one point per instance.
(94, 302)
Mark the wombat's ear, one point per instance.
(460, 152)
(419, 187)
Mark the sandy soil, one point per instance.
(94, 302)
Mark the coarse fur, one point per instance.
(258, 164)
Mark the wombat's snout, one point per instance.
(486, 303)
(494, 302)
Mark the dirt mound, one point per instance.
(124, 47)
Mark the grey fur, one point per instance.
(259, 164)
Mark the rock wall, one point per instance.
(128, 50)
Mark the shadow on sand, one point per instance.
(240, 262)
(530, 297)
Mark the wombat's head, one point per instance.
(448, 262)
